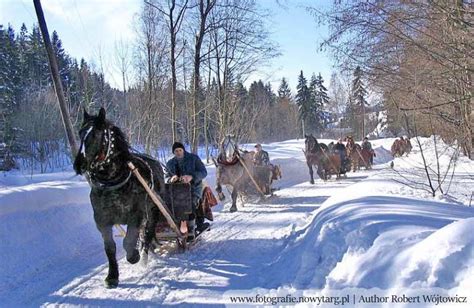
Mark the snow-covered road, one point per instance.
(333, 234)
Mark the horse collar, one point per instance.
(109, 185)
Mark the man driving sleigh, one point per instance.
(188, 168)
(265, 171)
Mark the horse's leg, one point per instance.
(220, 194)
(130, 243)
(150, 229)
(234, 194)
(112, 279)
(310, 167)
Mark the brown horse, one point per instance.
(366, 158)
(276, 173)
(401, 146)
(330, 164)
(317, 154)
(408, 146)
(354, 154)
(396, 148)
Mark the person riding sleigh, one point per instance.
(265, 171)
(188, 168)
(367, 146)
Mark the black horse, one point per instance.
(116, 195)
(314, 153)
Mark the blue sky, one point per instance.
(298, 35)
(89, 28)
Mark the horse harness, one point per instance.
(102, 160)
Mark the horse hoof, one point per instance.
(111, 283)
(144, 258)
(311, 182)
(221, 196)
(134, 258)
(233, 209)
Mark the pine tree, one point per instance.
(284, 91)
(22, 43)
(303, 100)
(313, 88)
(64, 62)
(358, 102)
(318, 102)
(9, 94)
(322, 102)
(315, 107)
(37, 61)
(270, 97)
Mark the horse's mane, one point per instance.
(120, 140)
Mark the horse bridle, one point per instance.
(107, 140)
(222, 158)
(314, 148)
(102, 159)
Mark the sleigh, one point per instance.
(265, 175)
(176, 206)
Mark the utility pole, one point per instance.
(53, 65)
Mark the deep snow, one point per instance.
(366, 231)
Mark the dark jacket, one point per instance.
(367, 145)
(339, 147)
(192, 165)
(261, 158)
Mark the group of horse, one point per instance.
(329, 161)
(119, 197)
(401, 146)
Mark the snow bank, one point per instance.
(457, 187)
(367, 238)
(45, 228)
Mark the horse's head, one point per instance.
(228, 148)
(350, 142)
(311, 144)
(101, 142)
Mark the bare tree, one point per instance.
(147, 100)
(240, 44)
(123, 62)
(338, 94)
(403, 43)
(204, 9)
(174, 14)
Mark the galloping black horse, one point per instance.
(313, 152)
(116, 195)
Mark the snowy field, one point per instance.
(376, 232)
